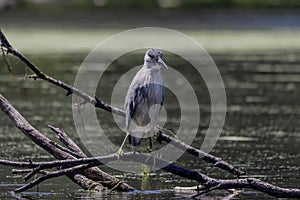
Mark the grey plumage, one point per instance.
(144, 98)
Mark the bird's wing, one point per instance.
(135, 95)
(147, 94)
(159, 94)
(142, 92)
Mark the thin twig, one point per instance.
(22, 171)
(67, 141)
(50, 175)
(32, 173)
(206, 191)
(75, 154)
(5, 59)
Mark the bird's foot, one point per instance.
(120, 153)
(149, 149)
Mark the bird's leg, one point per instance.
(155, 154)
(120, 152)
(133, 148)
(150, 144)
(152, 141)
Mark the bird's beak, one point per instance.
(162, 63)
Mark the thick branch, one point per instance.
(217, 162)
(92, 172)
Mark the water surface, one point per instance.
(261, 132)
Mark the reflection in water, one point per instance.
(261, 132)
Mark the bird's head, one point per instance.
(153, 58)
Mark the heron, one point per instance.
(144, 100)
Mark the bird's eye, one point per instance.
(151, 56)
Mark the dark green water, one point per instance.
(261, 132)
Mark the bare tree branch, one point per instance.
(75, 154)
(92, 173)
(49, 175)
(209, 184)
(70, 144)
(70, 90)
(217, 162)
(67, 141)
(22, 171)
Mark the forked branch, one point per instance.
(87, 178)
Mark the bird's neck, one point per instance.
(151, 66)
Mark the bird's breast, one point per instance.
(154, 76)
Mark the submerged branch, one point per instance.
(208, 183)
